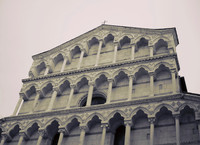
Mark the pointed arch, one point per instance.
(169, 107)
(166, 64)
(111, 115)
(125, 40)
(145, 67)
(69, 120)
(127, 72)
(31, 85)
(143, 36)
(192, 106)
(145, 110)
(50, 121)
(87, 77)
(106, 74)
(154, 41)
(39, 123)
(90, 117)
(108, 37)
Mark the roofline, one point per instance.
(107, 26)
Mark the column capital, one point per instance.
(23, 96)
(91, 83)
(152, 120)
(63, 130)
(43, 132)
(176, 115)
(173, 70)
(110, 80)
(6, 136)
(24, 134)
(57, 89)
(73, 86)
(84, 127)
(151, 73)
(128, 122)
(104, 124)
(131, 76)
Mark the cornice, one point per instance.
(97, 107)
(95, 68)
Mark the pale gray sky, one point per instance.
(29, 27)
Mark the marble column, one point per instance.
(103, 136)
(177, 123)
(23, 136)
(47, 70)
(173, 74)
(53, 97)
(98, 53)
(130, 89)
(115, 51)
(151, 74)
(90, 93)
(81, 58)
(133, 52)
(38, 94)
(151, 51)
(42, 133)
(128, 132)
(70, 96)
(4, 138)
(64, 64)
(62, 132)
(151, 121)
(82, 135)
(22, 95)
(109, 93)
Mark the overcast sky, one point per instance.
(30, 27)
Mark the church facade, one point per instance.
(113, 85)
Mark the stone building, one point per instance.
(113, 85)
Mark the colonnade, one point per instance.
(105, 125)
(91, 84)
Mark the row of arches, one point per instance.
(102, 51)
(105, 90)
(164, 128)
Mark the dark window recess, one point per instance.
(55, 139)
(119, 135)
(183, 85)
(96, 100)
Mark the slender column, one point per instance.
(151, 74)
(54, 95)
(130, 87)
(115, 52)
(47, 70)
(82, 135)
(81, 58)
(99, 51)
(151, 51)
(133, 52)
(38, 93)
(103, 136)
(18, 103)
(151, 121)
(90, 92)
(62, 133)
(109, 93)
(4, 138)
(42, 133)
(23, 136)
(173, 74)
(128, 132)
(70, 96)
(177, 129)
(63, 65)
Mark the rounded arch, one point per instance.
(169, 107)
(126, 71)
(29, 86)
(145, 110)
(192, 106)
(166, 64)
(39, 123)
(111, 115)
(69, 120)
(107, 75)
(76, 45)
(49, 122)
(137, 39)
(65, 80)
(89, 118)
(154, 41)
(48, 82)
(81, 77)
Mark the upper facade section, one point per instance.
(104, 45)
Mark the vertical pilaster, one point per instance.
(127, 132)
(151, 51)
(70, 96)
(47, 70)
(177, 123)
(173, 74)
(151, 121)
(103, 136)
(133, 51)
(130, 89)
(54, 95)
(82, 135)
(64, 64)
(38, 94)
(98, 53)
(115, 51)
(62, 132)
(109, 93)
(22, 95)
(90, 92)
(151, 74)
(81, 58)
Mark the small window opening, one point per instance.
(119, 135)
(96, 100)
(55, 139)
